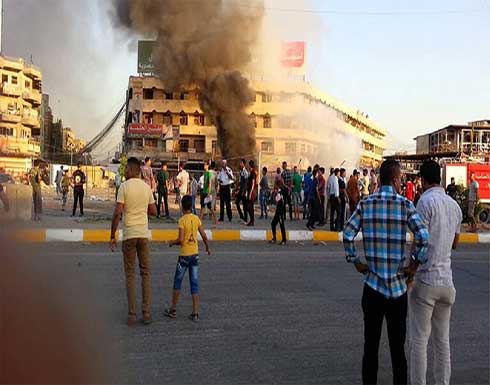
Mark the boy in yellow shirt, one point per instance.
(189, 225)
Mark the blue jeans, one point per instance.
(190, 262)
(194, 204)
(263, 202)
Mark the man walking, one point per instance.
(162, 190)
(225, 179)
(135, 200)
(384, 218)
(451, 189)
(307, 182)
(343, 198)
(322, 190)
(365, 184)
(334, 199)
(78, 180)
(251, 192)
(288, 182)
(147, 175)
(433, 293)
(58, 178)
(473, 198)
(373, 182)
(182, 184)
(35, 182)
(353, 192)
(296, 193)
(314, 201)
(241, 196)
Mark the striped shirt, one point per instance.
(384, 218)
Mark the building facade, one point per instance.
(471, 139)
(292, 122)
(20, 125)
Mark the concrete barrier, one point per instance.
(20, 200)
(103, 235)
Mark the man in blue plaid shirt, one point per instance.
(384, 218)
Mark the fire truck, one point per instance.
(461, 172)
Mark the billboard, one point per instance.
(147, 129)
(145, 56)
(293, 54)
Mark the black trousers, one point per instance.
(78, 197)
(315, 208)
(225, 199)
(321, 211)
(342, 207)
(251, 210)
(241, 198)
(278, 218)
(375, 307)
(287, 201)
(334, 213)
(162, 195)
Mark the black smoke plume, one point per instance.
(203, 43)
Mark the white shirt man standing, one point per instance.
(433, 292)
(183, 182)
(225, 179)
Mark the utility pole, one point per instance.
(1, 27)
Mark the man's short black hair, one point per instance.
(342, 170)
(187, 203)
(309, 169)
(243, 161)
(355, 172)
(79, 164)
(164, 163)
(264, 169)
(284, 163)
(322, 170)
(387, 171)
(336, 171)
(147, 159)
(251, 163)
(431, 172)
(133, 162)
(213, 164)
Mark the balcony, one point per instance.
(32, 71)
(33, 96)
(9, 117)
(31, 119)
(19, 147)
(10, 89)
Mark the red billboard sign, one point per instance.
(147, 129)
(293, 54)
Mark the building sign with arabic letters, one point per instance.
(145, 56)
(293, 54)
(147, 129)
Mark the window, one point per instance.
(266, 147)
(253, 120)
(147, 93)
(167, 118)
(467, 136)
(148, 118)
(290, 147)
(152, 143)
(5, 78)
(14, 79)
(169, 95)
(4, 131)
(198, 119)
(27, 84)
(267, 121)
(183, 118)
(200, 145)
(184, 145)
(266, 98)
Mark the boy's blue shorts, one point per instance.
(190, 262)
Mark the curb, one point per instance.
(103, 235)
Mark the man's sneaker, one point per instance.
(147, 318)
(171, 313)
(194, 317)
(132, 320)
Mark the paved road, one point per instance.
(270, 315)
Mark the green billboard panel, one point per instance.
(145, 56)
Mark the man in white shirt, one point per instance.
(183, 182)
(334, 199)
(225, 179)
(433, 293)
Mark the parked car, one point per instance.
(6, 179)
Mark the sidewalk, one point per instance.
(59, 226)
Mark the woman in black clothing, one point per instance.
(280, 193)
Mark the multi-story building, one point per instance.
(291, 122)
(20, 126)
(472, 139)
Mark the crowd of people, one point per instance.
(382, 210)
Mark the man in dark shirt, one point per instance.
(162, 190)
(343, 198)
(241, 196)
(251, 191)
(451, 189)
(287, 179)
(78, 179)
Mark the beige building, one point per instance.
(292, 122)
(20, 126)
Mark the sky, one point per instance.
(413, 66)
